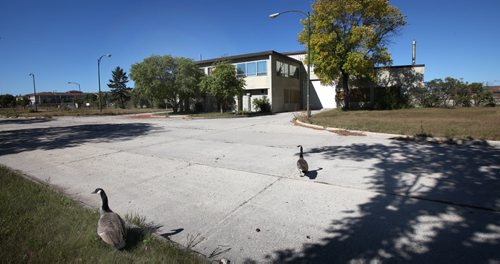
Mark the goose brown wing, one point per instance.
(302, 165)
(111, 229)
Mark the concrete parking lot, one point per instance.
(230, 188)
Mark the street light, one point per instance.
(34, 90)
(76, 84)
(275, 15)
(99, 78)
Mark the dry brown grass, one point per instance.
(479, 123)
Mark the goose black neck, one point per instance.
(301, 155)
(104, 198)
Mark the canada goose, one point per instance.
(111, 227)
(302, 163)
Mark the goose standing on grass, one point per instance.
(302, 163)
(111, 227)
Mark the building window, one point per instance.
(281, 69)
(287, 70)
(241, 70)
(294, 73)
(256, 92)
(251, 68)
(262, 68)
(210, 70)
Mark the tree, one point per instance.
(262, 104)
(435, 94)
(451, 92)
(480, 96)
(223, 84)
(119, 91)
(154, 79)
(349, 38)
(24, 101)
(166, 78)
(7, 100)
(187, 80)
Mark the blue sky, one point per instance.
(60, 41)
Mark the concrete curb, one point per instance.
(340, 131)
(436, 140)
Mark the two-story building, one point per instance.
(282, 78)
(267, 73)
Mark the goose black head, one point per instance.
(98, 190)
(104, 198)
(300, 146)
(301, 155)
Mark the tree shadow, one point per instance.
(23, 121)
(433, 203)
(393, 88)
(20, 140)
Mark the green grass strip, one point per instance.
(40, 225)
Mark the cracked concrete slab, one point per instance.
(231, 186)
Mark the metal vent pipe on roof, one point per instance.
(414, 52)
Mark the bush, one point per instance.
(262, 104)
(198, 107)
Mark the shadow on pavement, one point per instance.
(434, 204)
(16, 141)
(313, 174)
(23, 121)
(173, 232)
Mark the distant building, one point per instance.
(495, 91)
(55, 99)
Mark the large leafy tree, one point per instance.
(451, 92)
(154, 79)
(349, 38)
(166, 78)
(480, 95)
(187, 80)
(120, 93)
(7, 100)
(223, 84)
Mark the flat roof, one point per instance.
(300, 52)
(240, 57)
(400, 66)
(243, 57)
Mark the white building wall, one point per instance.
(409, 76)
(324, 93)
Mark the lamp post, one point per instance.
(34, 90)
(275, 15)
(76, 84)
(99, 78)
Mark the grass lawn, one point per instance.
(478, 123)
(49, 112)
(40, 225)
